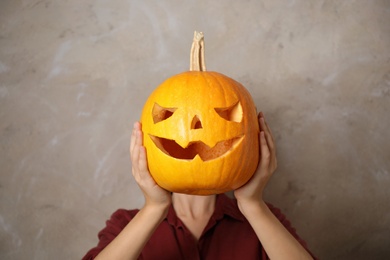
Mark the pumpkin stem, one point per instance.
(197, 53)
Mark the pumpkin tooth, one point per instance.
(205, 152)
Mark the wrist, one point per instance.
(159, 211)
(251, 208)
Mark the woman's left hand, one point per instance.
(276, 240)
(252, 192)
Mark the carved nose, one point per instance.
(196, 123)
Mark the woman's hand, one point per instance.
(129, 243)
(251, 194)
(154, 194)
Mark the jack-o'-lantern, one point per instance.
(200, 130)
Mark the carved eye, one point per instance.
(232, 113)
(160, 113)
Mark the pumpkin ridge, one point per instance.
(221, 86)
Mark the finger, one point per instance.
(141, 172)
(268, 134)
(266, 126)
(263, 125)
(132, 138)
(270, 140)
(269, 130)
(264, 150)
(136, 149)
(142, 162)
(259, 117)
(272, 148)
(264, 129)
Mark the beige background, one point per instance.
(75, 74)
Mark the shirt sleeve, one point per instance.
(118, 221)
(287, 224)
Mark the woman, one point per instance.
(180, 226)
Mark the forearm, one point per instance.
(130, 242)
(274, 237)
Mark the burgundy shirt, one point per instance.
(228, 235)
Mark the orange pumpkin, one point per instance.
(200, 131)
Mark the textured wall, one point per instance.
(75, 74)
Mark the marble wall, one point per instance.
(74, 76)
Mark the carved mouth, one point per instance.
(206, 153)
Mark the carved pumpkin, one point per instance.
(200, 131)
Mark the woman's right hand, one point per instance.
(155, 196)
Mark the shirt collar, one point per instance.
(223, 206)
(227, 206)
